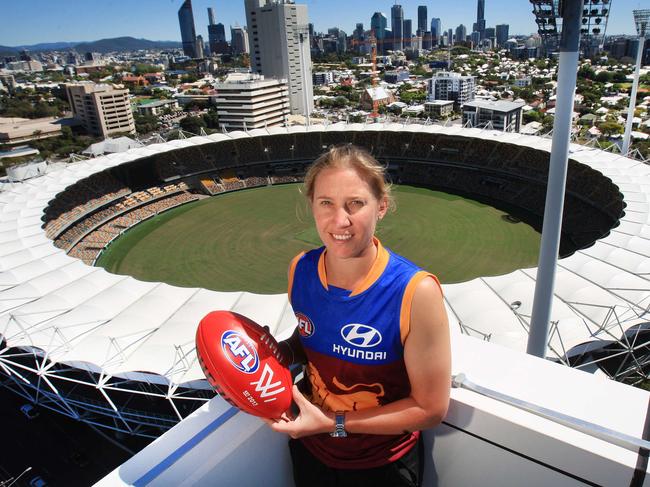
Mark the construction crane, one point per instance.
(372, 41)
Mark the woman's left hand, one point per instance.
(311, 419)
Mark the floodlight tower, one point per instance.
(593, 24)
(641, 19)
(569, 46)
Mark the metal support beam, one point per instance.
(641, 18)
(552, 226)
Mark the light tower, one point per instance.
(569, 44)
(593, 24)
(641, 20)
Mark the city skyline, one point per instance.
(157, 20)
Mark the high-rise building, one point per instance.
(476, 39)
(239, 40)
(278, 35)
(397, 26)
(249, 101)
(427, 40)
(422, 18)
(359, 39)
(378, 24)
(436, 31)
(502, 34)
(479, 26)
(199, 47)
(451, 86)
(216, 34)
(461, 33)
(188, 33)
(408, 33)
(101, 109)
(450, 37)
(490, 33)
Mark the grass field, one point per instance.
(244, 240)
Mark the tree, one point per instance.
(604, 77)
(610, 128)
(547, 123)
(532, 116)
(145, 124)
(141, 68)
(193, 124)
(211, 119)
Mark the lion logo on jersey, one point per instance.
(340, 397)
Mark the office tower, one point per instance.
(461, 33)
(101, 109)
(357, 33)
(397, 26)
(358, 40)
(427, 40)
(199, 47)
(436, 30)
(278, 35)
(479, 26)
(502, 34)
(239, 40)
(378, 24)
(408, 33)
(505, 116)
(422, 18)
(450, 37)
(188, 33)
(249, 101)
(476, 39)
(490, 33)
(212, 32)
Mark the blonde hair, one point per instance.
(350, 156)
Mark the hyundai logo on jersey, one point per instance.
(363, 336)
(240, 351)
(305, 325)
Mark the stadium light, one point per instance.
(571, 11)
(641, 20)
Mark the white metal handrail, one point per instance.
(611, 436)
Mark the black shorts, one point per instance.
(308, 471)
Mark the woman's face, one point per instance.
(346, 211)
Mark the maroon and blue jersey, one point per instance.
(354, 343)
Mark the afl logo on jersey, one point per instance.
(305, 326)
(240, 351)
(362, 336)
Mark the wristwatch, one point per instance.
(339, 428)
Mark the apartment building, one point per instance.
(445, 85)
(101, 109)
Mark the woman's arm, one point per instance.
(427, 357)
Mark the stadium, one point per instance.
(117, 352)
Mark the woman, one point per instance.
(373, 331)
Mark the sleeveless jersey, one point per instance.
(354, 346)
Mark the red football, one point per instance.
(241, 361)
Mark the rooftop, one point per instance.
(499, 105)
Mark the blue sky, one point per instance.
(34, 21)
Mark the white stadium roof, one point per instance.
(117, 325)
